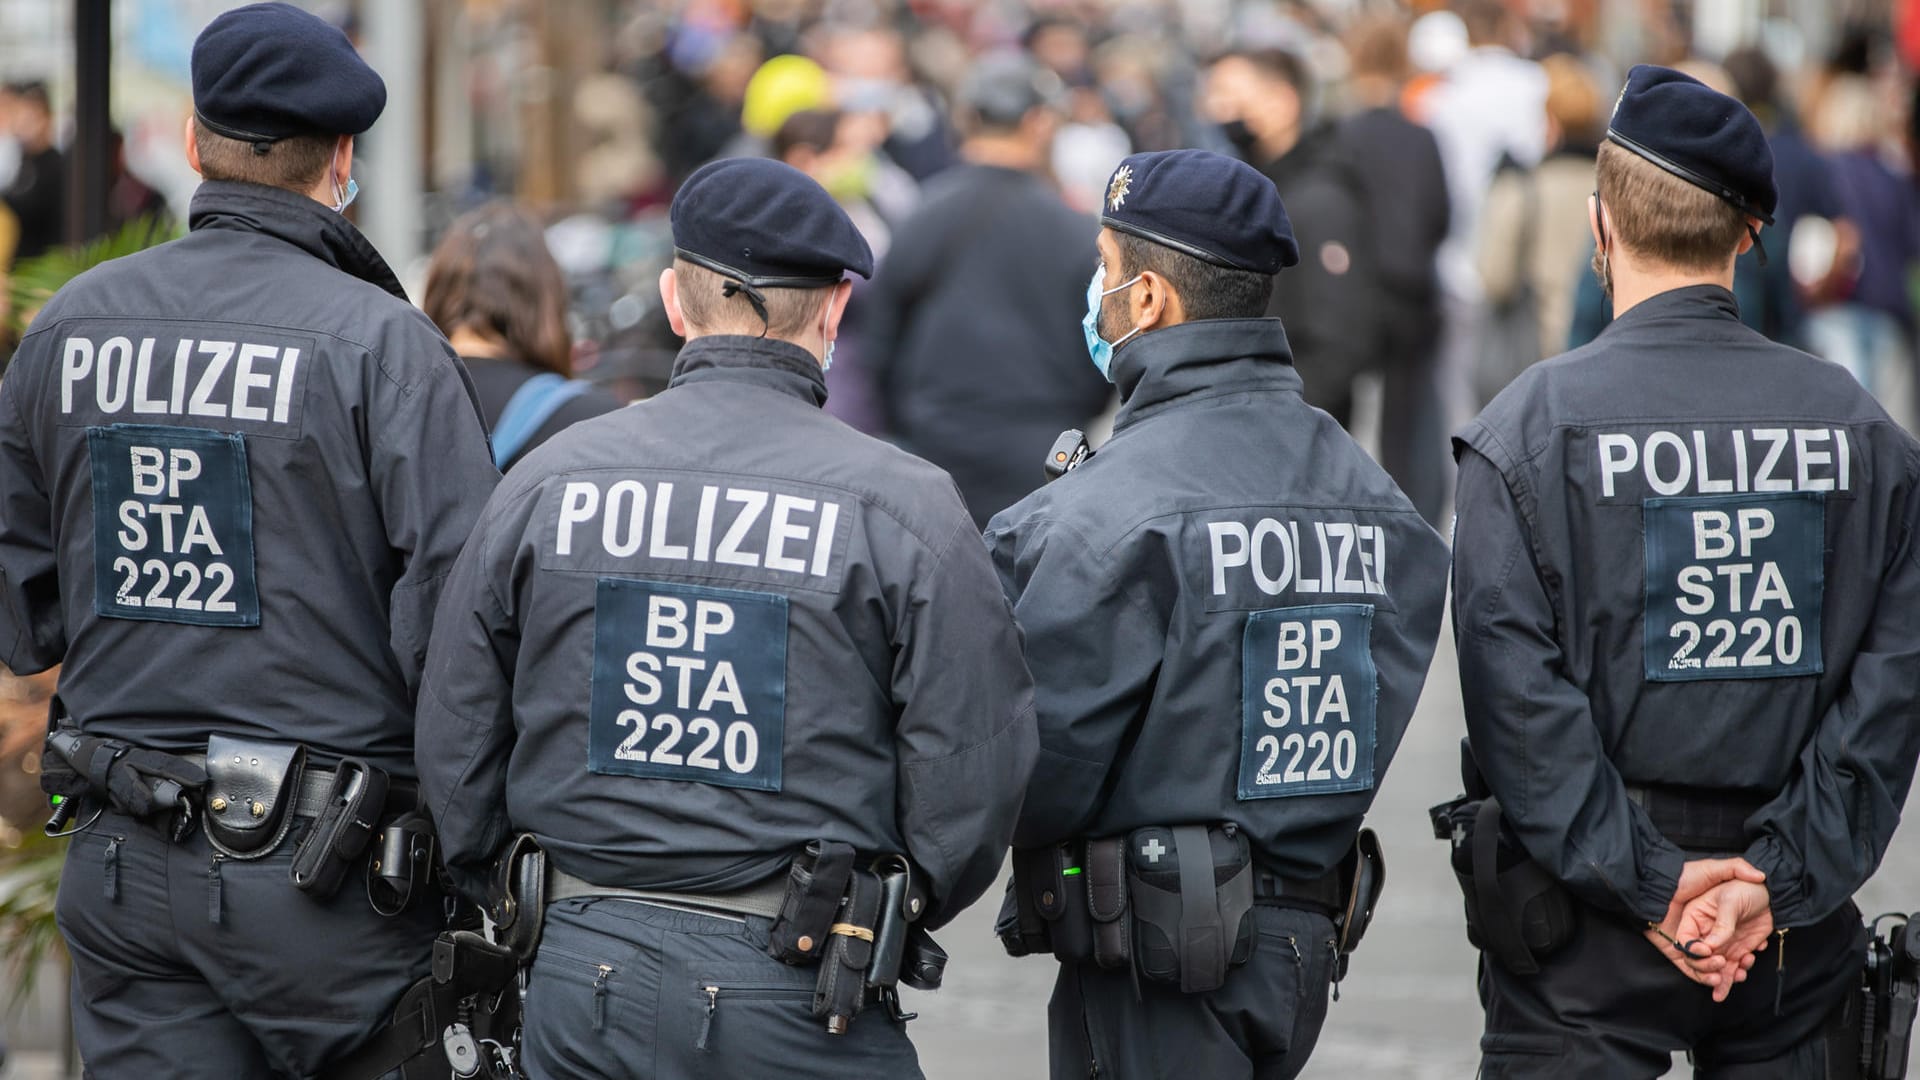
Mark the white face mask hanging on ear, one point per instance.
(826, 354)
(342, 198)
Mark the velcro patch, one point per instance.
(1735, 586)
(1309, 696)
(172, 526)
(689, 683)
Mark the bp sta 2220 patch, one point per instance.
(1735, 586)
(689, 683)
(1309, 697)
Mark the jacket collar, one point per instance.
(1687, 302)
(1198, 360)
(766, 362)
(296, 219)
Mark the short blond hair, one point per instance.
(1659, 216)
(704, 303)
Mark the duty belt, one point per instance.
(1323, 891)
(1700, 819)
(762, 900)
(316, 784)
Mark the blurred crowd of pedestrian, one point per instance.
(1436, 161)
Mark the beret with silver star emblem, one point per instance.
(1210, 206)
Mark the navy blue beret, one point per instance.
(267, 71)
(766, 224)
(1204, 204)
(1698, 134)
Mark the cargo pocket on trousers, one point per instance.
(582, 979)
(738, 989)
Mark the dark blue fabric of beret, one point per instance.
(267, 71)
(1204, 204)
(767, 224)
(1698, 134)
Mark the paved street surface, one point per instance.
(1407, 1012)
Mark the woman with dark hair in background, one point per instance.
(495, 291)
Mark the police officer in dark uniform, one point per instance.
(1229, 611)
(1685, 576)
(694, 639)
(234, 471)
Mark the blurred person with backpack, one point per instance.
(494, 289)
(1405, 189)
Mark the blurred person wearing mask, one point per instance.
(130, 199)
(1870, 330)
(495, 291)
(972, 338)
(1534, 244)
(871, 76)
(1405, 185)
(38, 193)
(9, 142)
(1261, 100)
(837, 152)
(1770, 300)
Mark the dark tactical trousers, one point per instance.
(185, 966)
(1607, 1005)
(1261, 1025)
(628, 989)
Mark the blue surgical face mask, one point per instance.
(1098, 347)
(342, 198)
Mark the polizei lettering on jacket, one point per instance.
(224, 384)
(747, 530)
(1306, 557)
(1735, 461)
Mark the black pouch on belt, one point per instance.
(1516, 911)
(1049, 902)
(1191, 891)
(341, 831)
(517, 896)
(816, 883)
(251, 788)
(842, 986)
(1106, 877)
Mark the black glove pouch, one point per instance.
(251, 788)
(1191, 890)
(1517, 912)
(342, 830)
(1046, 908)
(517, 897)
(842, 986)
(816, 882)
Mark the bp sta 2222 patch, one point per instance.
(172, 526)
(1735, 586)
(1309, 697)
(689, 683)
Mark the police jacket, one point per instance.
(1685, 557)
(234, 470)
(1229, 609)
(691, 635)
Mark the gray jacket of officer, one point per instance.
(234, 471)
(1230, 608)
(1685, 556)
(692, 635)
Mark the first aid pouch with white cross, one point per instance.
(1191, 891)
